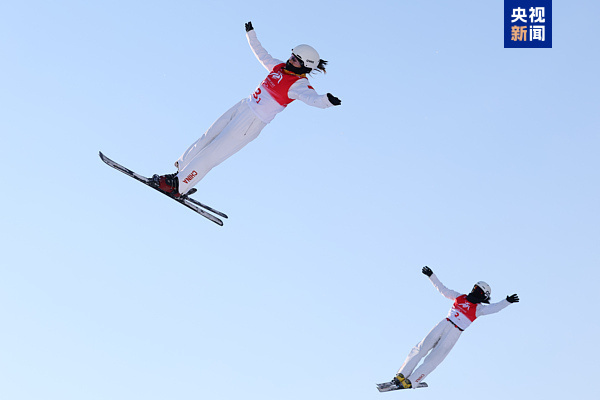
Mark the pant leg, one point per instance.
(220, 142)
(422, 348)
(215, 129)
(449, 338)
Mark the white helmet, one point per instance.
(487, 290)
(307, 55)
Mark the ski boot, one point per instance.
(167, 183)
(402, 382)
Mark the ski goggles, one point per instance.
(294, 58)
(478, 291)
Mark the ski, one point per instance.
(187, 201)
(389, 386)
(209, 208)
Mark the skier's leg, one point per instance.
(421, 349)
(208, 136)
(437, 355)
(240, 131)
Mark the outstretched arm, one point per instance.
(263, 56)
(301, 90)
(495, 307)
(447, 293)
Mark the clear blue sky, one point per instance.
(448, 151)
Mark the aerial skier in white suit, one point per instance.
(242, 123)
(441, 339)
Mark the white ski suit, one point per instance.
(445, 334)
(244, 121)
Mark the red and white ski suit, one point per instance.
(244, 121)
(445, 334)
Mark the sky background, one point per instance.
(448, 151)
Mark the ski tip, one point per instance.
(105, 159)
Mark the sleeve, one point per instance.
(483, 309)
(301, 90)
(447, 293)
(263, 56)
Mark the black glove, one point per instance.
(513, 299)
(427, 271)
(333, 100)
(249, 26)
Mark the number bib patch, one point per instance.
(271, 97)
(463, 312)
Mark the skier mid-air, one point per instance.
(242, 123)
(441, 339)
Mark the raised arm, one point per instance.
(263, 56)
(447, 293)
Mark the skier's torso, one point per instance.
(271, 96)
(463, 312)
